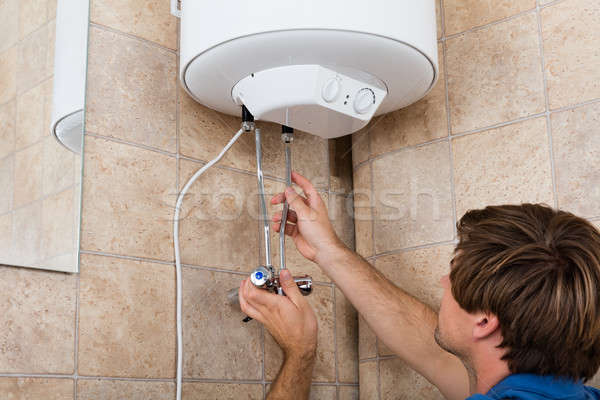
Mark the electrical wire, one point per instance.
(178, 256)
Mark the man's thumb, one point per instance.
(289, 287)
(295, 201)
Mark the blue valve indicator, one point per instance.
(258, 275)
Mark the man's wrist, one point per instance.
(330, 254)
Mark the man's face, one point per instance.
(453, 331)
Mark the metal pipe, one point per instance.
(263, 204)
(287, 136)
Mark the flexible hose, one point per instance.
(178, 256)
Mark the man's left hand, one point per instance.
(290, 319)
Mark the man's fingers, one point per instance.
(291, 217)
(290, 288)
(248, 309)
(290, 229)
(297, 203)
(307, 187)
(278, 198)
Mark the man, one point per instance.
(519, 318)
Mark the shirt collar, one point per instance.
(547, 386)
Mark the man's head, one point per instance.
(526, 281)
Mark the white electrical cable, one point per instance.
(178, 257)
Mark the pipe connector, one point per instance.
(247, 120)
(287, 134)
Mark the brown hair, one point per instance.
(538, 270)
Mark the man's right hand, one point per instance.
(308, 222)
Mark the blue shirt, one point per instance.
(537, 387)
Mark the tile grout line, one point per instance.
(413, 248)
(449, 126)
(172, 263)
(177, 190)
(132, 36)
(76, 349)
(547, 105)
(335, 329)
(38, 200)
(489, 24)
(479, 130)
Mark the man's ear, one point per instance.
(486, 324)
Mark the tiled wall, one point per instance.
(110, 332)
(39, 177)
(515, 117)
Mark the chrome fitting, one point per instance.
(248, 126)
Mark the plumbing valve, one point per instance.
(264, 278)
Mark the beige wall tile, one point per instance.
(505, 165)
(58, 166)
(321, 392)
(9, 23)
(38, 323)
(346, 330)
(8, 74)
(95, 389)
(28, 175)
(36, 388)
(204, 133)
(494, 74)
(7, 176)
(219, 219)
(348, 392)
(369, 381)
(131, 90)
(361, 147)
(341, 213)
(58, 229)
(51, 9)
(31, 127)
(35, 58)
(571, 37)
(27, 235)
(309, 155)
(418, 272)
(149, 19)
(128, 200)
(363, 211)
(8, 123)
(216, 343)
(463, 15)
(413, 204)
(340, 164)
(421, 122)
(438, 18)
(126, 318)
(397, 379)
(576, 153)
(321, 300)
(32, 15)
(6, 239)
(222, 391)
(367, 341)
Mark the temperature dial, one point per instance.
(331, 90)
(364, 101)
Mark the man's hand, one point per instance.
(399, 320)
(308, 222)
(290, 319)
(293, 324)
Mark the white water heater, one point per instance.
(322, 66)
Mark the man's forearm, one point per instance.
(403, 323)
(293, 379)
